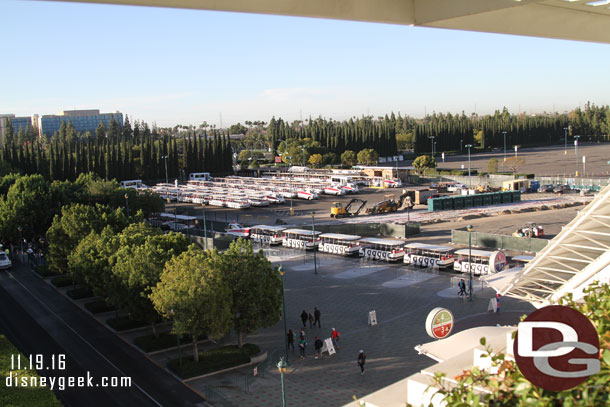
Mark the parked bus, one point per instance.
(133, 183)
(337, 243)
(200, 176)
(483, 262)
(382, 249)
(267, 234)
(428, 255)
(173, 221)
(301, 239)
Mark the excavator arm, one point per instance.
(353, 202)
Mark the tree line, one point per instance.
(115, 152)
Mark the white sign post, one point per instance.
(443, 158)
(584, 165)
(372, 318)
(328, 347)
(256, 371)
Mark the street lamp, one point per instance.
(127, 203)
(469, 146)
(565, 137)
(432, 144)
(469, 228)
(282, 367)
(576, 152)
(313, 241)
(166, 177)
(461, 148)
(282, 272)
(504, 133)
(291, 190)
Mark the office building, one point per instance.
(82, 120)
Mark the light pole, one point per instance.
(127, 203)
(516, 154)
(166, 176)
(469, 146)
(504, 133)
(291, 190)
(576, 152)
(461, 148)
(565, 137)
(469, 228)
(205, 231)
(282, 272)
(313, 241)
(432, 144)
(282, 367)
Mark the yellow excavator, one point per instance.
(339, 211)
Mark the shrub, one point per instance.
(79, 293)
(148, 343)
(123, 323)
(61, 281)
(98, 306)
(216, 359)
(43, 270)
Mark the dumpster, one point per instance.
(477, 200)
(496, 197)
(487, 199)
(469, 201)
(458, 202)
(507, 196)
(516, 196)
(448, 203)
(435, 204)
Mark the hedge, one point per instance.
(216, 359)
(61, 281)
(18, 396)
(148, 343)
(80, 293)
(124, 323)
(43, 270)
(98, 306)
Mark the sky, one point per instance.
(171, 66)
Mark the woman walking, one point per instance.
(302, 346)
(304, 317)
(290, 339)
(361, 361)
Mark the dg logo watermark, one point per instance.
(557, 348)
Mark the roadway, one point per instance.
(39, 320)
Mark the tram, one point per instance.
(482, 262)
(382, 249)
(428, 255)
(337, 243)
(301, 239)
(267, 234)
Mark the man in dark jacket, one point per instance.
(316, 314)
(361, 361)
(318, 345)
(304, 317)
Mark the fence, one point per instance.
(591, 184)
(372, 229)
(494, 241)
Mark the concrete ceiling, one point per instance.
(580, 20)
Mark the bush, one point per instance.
(43, 270)
(79, 293)
(33, 396)
(123, 323)
(61, 281)
(148, 343)
(214, 360)
(98, 306)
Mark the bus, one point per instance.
(173, 221)
(483, 262)
(337, 243)
(382, 249)
(132, 183)
(200, 176)
(428, 255)
(267, 234)
(301, 239)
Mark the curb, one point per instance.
(253, 360)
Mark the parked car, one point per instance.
(546, 188)
(5, 262)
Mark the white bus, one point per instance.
(267, 234)
(200, 176)
(173, 221)
(301, 239)
(428, 255)
(337, 243)
(132, 183)
(382, 249)
(483, 262)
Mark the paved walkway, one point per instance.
(345, 290)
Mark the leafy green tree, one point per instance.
(368, 156)
(138, 268)
(255, 287)
(315, 160)
(424, 161)
(405, 141)
(492, 165)
(349, 158)
(7, 181)
(192, 293)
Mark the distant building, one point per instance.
(19, 122)
(82, 120)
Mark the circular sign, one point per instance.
(439, 323)
(497, 261)
(556, 348)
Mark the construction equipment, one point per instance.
(389, 204)
(531, 229)
(338, 210)
(406, 199)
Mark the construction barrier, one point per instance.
(494, 241)
(471, 201)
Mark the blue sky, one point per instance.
(174, 66)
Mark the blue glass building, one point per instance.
(82, 120)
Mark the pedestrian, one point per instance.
(462, 287)
(290, 339)
(304, 318)
(334, 336)
(302, 346)
(361, 361)
(302, 335)
(316, 314)
(318, 345)
(310, 320)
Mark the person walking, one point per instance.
(361, 361)
(304, 318)
(310, 320)
(302, 347)
(290, 338)
(302, 334)
(334, 336)
(462, 287)
(316, 314)
(318, 345)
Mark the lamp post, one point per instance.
(516, 153)
(461, 148)
(469, 146)
(20, 229)
(127, 203)
(469, 228)
(504, 133)
(205, 231)
(576, 152)
(282, 272)
(166, 176)
(565, 138)
(313, 241)
(432, 144)
(282, 367)
(291, 190)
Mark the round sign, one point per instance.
(556, 348)
(497, 261)
(439, 323)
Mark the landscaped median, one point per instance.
(9, 370)
(224, 357)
